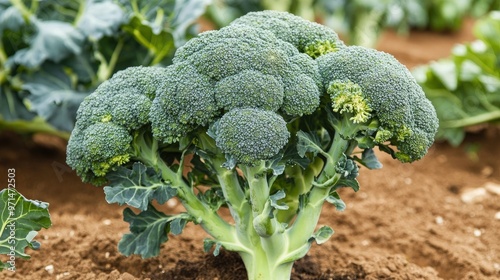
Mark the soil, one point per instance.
(408, 221)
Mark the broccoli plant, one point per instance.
(268, 117)
(54, 53)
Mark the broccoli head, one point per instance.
(250, 135)
(108, 120)
(368, 85)
(308, 37)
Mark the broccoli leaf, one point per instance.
(309, 143)
(53, 40)
(148, 230)
(159, 43)
(274, 200)
(335, 199)
(322, 235)
(20, 220)
(185, 14)
(10, 19)
(52, 96)
(101, 19)
(208, 244)
(464, 88)
(369, 159)
(137, 187)
(351, 183)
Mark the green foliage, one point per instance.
(20, 221)
(54, 53)
(250, 119)
(465, 88)
(363, 21)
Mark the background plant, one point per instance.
(362, 21)
(54, 53)
(465, 88)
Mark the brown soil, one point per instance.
(408, 221)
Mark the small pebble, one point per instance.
(474, 195)
(408, 181)
(439, 220)
(50, 269)
(106, 222)
(106, 255)
(497, 216)
(62, 275)
(492, 188)
(477, 232)
(487, 171)
(172, 203)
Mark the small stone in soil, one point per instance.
(49, 268)
(474, 195)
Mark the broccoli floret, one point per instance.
(108, 119)
(302, 96)
(308, 37)
(383, 89)
(185, 100)
(145, 81)
(249, 89)
(250, 135)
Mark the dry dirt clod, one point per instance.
(474, 195)
(492, 188)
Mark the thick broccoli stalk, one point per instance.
(265, 118)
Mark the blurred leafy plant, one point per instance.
(54, 53)
(465, 88)
(362, 21)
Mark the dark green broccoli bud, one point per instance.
(139, 80)
(185, 100)
(106, 146)
(231, 56)
(302, 63)
(347, 168)
(302, 96)
(249, 89)
(250, 135)
(97, 149)
(308, 37)
(393, 97)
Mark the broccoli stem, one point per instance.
(146, 149)
(237, 203)
(262, 266)
(474, 120)
(302, 184)
(25, 12)
(307, 218)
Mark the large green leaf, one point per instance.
(101, 18)
(52, 40)
(20, 220)
(148, 230)
(137, 187)
(52, 96)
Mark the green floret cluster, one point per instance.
(237, 67)
(308, 37)
(251, 135)
(109, 118)
(406, 118)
